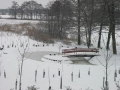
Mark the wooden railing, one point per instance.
(74, 50)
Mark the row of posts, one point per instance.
(59, 74)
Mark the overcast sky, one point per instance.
(7, 3)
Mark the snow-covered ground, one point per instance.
(11, 59)
(4, 20)
(5, 16)
(13, 21)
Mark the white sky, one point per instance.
(7, 3)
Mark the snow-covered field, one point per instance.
(5, 16)
(13, 21)
(11, 60)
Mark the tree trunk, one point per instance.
(21, 75)
(108, 41)
(111, 11)
(15, 13)
(112, 23)
(79, 37)
(101, 25)
(90, 25)
(99, 40)
(89, 34)
(21, 16)
(106, 83)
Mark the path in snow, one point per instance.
(38, 55)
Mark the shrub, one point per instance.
(32, 88)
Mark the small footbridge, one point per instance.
(85, 52)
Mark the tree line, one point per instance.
(61, 15)
(28, 10)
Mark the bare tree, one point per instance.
(107, 56)
(1, 52)
(22, 49)
(60, 14)
(110, 4)
(14, 9)
(102, 10)
(27, 10)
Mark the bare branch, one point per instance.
(111, 64)
(100, 62)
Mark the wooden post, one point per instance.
(115, 73)
(19, 71)
(35, 75)
(43, 73)
(4, 74)
(72, 76)
(16, 85)
(49, 88)
(114, 77)
(61, 83)
(119, 71)
(89, 71)
(58, 72)
(103, 81)
(79, 74)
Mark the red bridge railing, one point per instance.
(80, 50)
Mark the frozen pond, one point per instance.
(39, 54)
